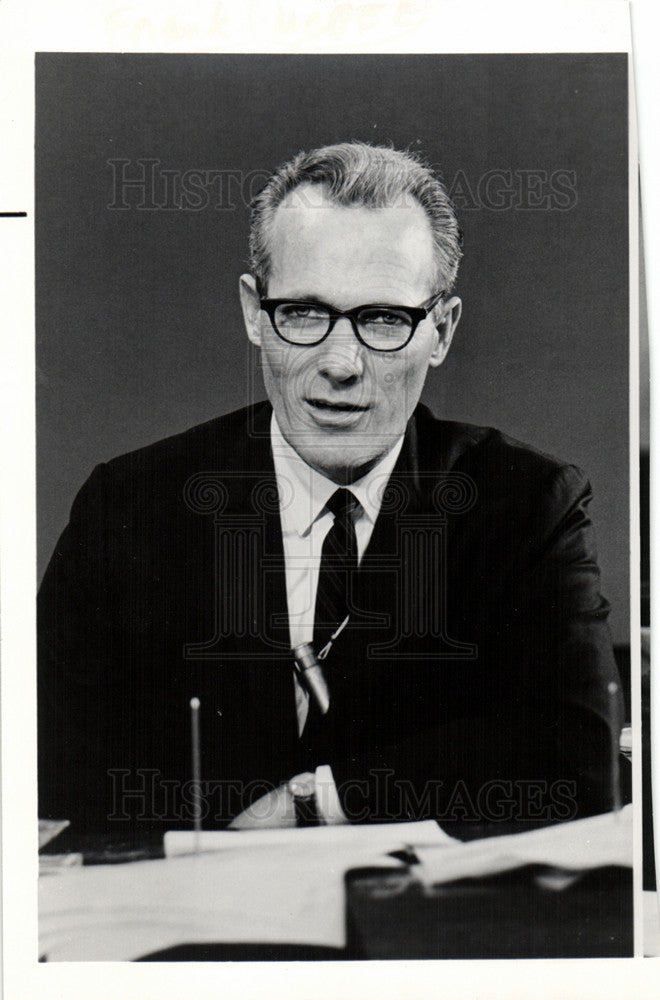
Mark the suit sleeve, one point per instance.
(536, 740)
(79, 693)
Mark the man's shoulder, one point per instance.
(158, 475)
(232, 439)
(490, 456)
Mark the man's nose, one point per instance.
(342, 357)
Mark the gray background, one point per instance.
(139, 332)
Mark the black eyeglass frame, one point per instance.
(416, 314)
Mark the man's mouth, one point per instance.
(336, 406)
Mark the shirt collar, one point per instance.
(304, 492)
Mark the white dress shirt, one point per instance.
(305, 522)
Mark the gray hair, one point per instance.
(356, 173)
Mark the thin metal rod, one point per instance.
(196, 771)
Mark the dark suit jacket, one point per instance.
(472, 683)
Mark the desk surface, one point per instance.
(288, 900)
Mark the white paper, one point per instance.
(374, 836)
(585, 843)
(264, 886)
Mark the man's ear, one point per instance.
(451, 313)
(247, 289)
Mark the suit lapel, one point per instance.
(269, 663)
(378, 592)
(402, 593)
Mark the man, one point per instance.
(443, 575)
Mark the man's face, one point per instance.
(340, 405)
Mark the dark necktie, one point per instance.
(339, 563)
(333, 603)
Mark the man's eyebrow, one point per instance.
(309, 299)
(315, 300)
(304, 297)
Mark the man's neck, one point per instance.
(343, 475)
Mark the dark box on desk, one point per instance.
(512, 915)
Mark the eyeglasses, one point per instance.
(378, 327)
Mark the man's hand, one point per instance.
(276, 809)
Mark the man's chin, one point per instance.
(344, 461)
